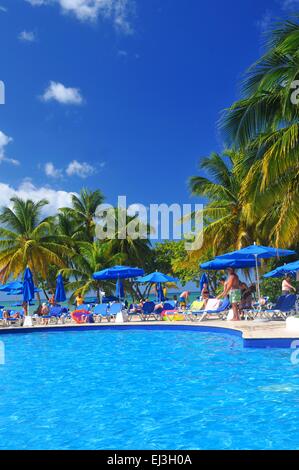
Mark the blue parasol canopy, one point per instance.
(28, 286)
(290, 268)
(224, 263)
(203, 280)
(12, 286)
(18, 291)
(157, 277)
(160, 293)
(257, 251)
(118, 272)
(60, 292)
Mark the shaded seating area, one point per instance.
(284, 306)
(11, 318)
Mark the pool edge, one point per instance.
(248, 342)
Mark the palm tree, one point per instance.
(91, 257)
(265, 124)
(225, 225)
(68, 227)
(83, 211)
(134, 245)
(27, 239)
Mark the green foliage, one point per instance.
(271, 288)
(170, 257)
(264, 124)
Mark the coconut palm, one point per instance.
(91, 257)
(130, 236)
(225, 226)
(265, 123)
(67, 226)
(27, 239)
(81, 214)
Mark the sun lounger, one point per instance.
(148, 311)
(214, 307)
(115, 309)
(55, 314)
(284, 306)
(11, 320)
(100, 312)
(134, 310)
(168, 306)
(84, 307)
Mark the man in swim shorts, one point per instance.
(232, 288)
(184, 298)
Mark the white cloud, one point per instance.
(27, 36)
(27, 190)
(74, 168)
(4, 141)
(83, 170)
(58, 92)
(51, 171)
(117, 11)
(4, 9)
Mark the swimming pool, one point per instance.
(145, 389)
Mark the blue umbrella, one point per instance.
(28, 286)
(290, 268)
(19, 291)
(120, 293)
(203, 280)
(157, 277)
(160, 293)
(224, 263)
(60, 292)
(12, 286)
(255, 252)
(118, 272)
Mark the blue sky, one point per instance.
(120, 95)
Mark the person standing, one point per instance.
(79, 300)
(184, 297)
(232, 288)
(52, 301)
(286, 286)
(205, 294)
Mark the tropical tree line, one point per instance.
(65, 243)
(253, 186)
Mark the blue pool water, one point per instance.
(131, 389)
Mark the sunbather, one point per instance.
(287, 287)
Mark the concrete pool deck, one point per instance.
(254, 334)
